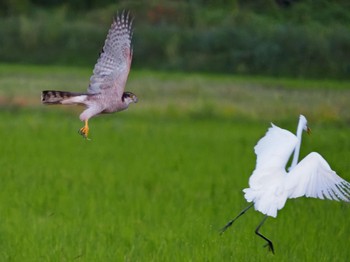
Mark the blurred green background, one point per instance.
(299, 38)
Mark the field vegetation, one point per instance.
(293, 38)
(158, 181)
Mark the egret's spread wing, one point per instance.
(313, 177)
(265, 184)
(113, 65)
(275, 148)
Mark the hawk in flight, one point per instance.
(105, 93)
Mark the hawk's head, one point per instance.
(129, 97)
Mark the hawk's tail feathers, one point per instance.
(62, 97)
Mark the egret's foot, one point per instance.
(233, 220)
(269, 242)
(84, 131)
(222, 230)
(269, 245)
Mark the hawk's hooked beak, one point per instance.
(135, 99)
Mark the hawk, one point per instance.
(105, 93)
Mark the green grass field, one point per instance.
(158, 181)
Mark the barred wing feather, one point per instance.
(113, 65)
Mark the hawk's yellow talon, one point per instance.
(84, 131)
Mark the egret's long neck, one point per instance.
(297, 147)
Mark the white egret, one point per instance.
(270, 185)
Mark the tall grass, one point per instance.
(156, 183)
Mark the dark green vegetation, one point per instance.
(305, 39)
(158, 181)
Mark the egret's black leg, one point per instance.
(233, 220)
(269, 243)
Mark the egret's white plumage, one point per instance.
(271, 185)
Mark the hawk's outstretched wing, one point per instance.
(113, 65)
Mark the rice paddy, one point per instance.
(158, 181)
